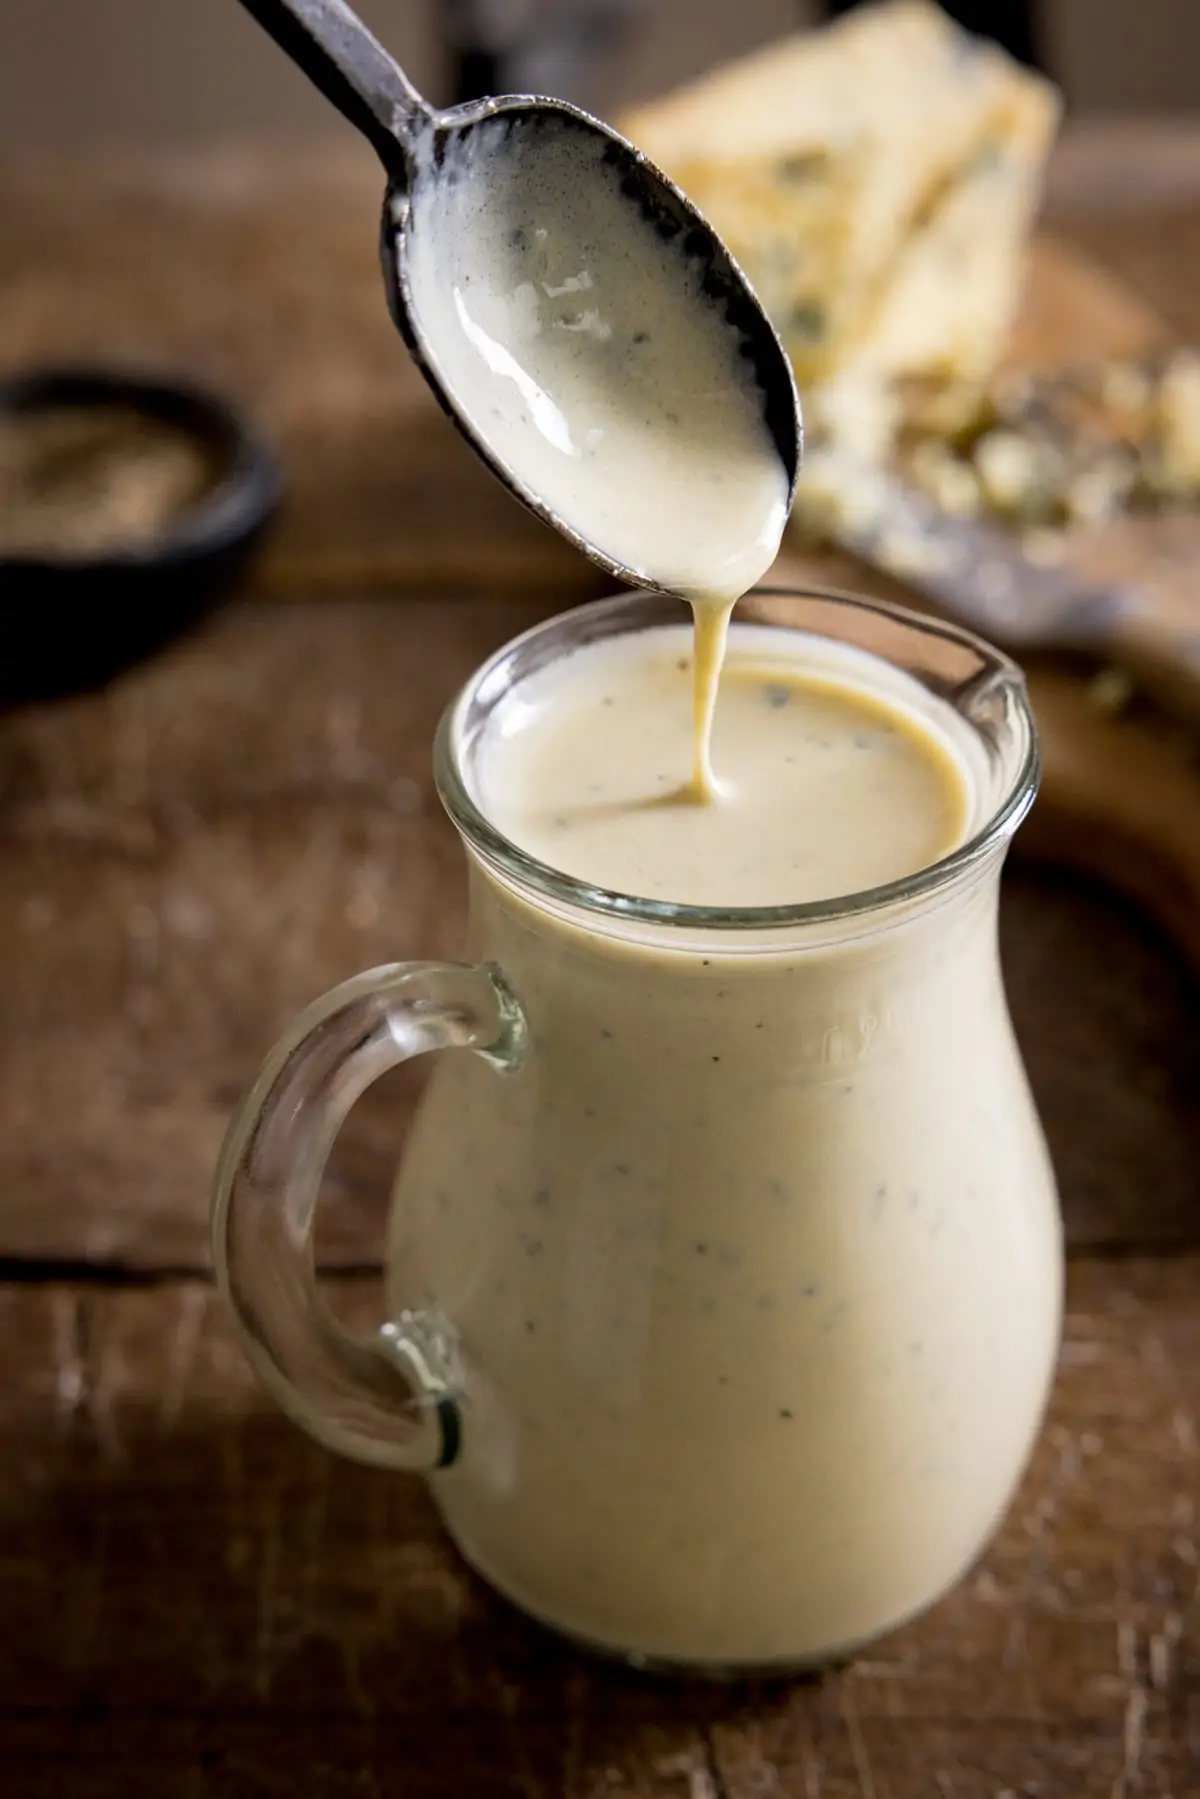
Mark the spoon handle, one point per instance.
(350, 66)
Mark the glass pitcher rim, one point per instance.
(530, 872)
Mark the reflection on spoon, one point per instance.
(545, 416)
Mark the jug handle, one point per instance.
(389, 1399)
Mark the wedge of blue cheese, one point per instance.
(877, 180)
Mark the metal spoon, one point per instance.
(353, 70)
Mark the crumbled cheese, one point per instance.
(856, 411)
(1015, 472)
(1177, 464)
(1127, 391)
(1100, 492)
(845, 499)
(951, 484)
(839, 495)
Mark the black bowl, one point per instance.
(69, 623)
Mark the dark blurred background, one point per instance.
(80, 69)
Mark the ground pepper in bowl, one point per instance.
(87, 481)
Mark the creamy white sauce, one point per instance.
(754, 1261)
(825, 789)
(577, 340)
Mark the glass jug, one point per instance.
(724, 1266)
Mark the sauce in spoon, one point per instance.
(581, 324)
(576, 334)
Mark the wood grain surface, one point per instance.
(194, 1599)
(198, 1601)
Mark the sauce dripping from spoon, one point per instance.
(581, 339)
(581, 324)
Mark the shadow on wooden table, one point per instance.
(197, 1600)
(1105, 1010)
(236, 1601)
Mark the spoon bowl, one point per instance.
(490, 160)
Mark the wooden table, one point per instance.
(193, 1598)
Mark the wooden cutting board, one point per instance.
(1121, 800)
